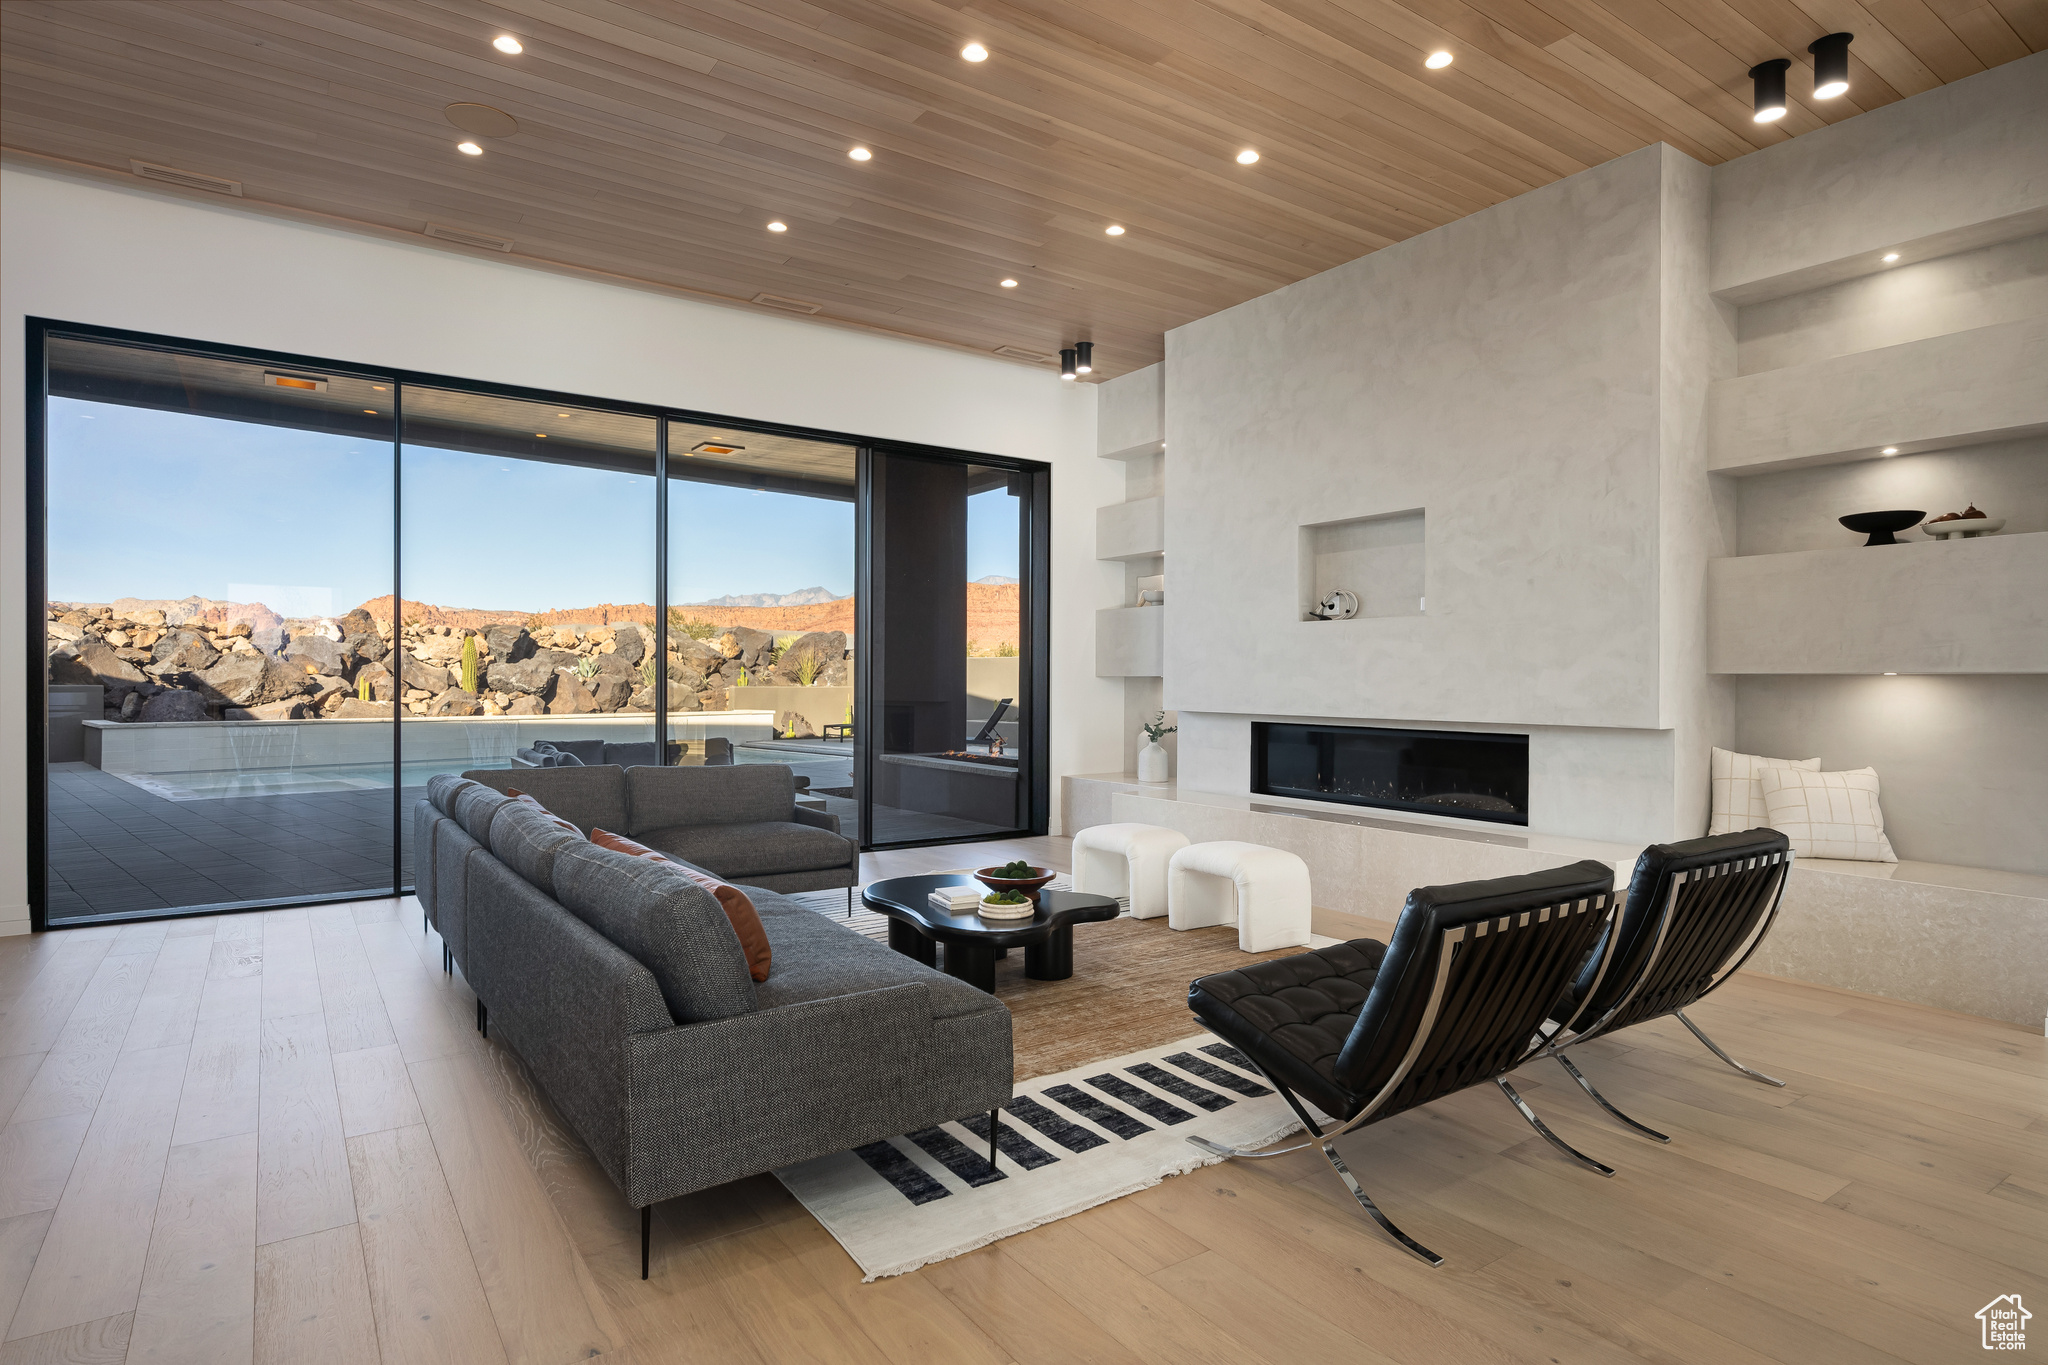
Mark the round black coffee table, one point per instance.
(918, 929)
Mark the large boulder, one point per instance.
(641, 700)
(174, 704)
(382, 685)
(571, 696)
(793, 725)
(526, 706)
(366, 645)
(683, 701)
(101, 665)
(611, 691)
(183, 651)
(316, 654)
(692, 659)
(618, 666)
(631, 642)
(65, 631)
(508, 643)
(455, 702)
(429, 678)
(745, 644)
(357, 622)
(820, 648)
(534, 675)
(252, 679)
(325, 685)
(271, 639)
(355, 708)
(291, 709)
(445, 650)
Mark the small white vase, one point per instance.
(1152, 762)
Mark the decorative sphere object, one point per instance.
(1879, 526)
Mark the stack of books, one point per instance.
(958, 900)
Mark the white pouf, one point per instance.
(1127, 861)
(1263, 891)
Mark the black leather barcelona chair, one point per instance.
(1365, 1030)
(1695, 912)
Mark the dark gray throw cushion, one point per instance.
(666, 922)
(747, 793)
(528, 842)
(588, 798)
(474, 808)
(756, 849)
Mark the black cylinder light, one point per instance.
(1830, 65)
(1067, 363)
(1084, 357)
(1770, 89)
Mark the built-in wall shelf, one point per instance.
(1130, 415)
(1984, 384)
(1131, 530)
(1379, 559)
(1969, 606)
(1130, 642)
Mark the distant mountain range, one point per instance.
(802, 597)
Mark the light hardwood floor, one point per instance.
(277, 1137)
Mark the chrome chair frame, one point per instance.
(1449, 944)
(1565, 1037)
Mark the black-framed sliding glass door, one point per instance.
(272, 595)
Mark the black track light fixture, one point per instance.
(1830, 65)
(1770, 89)
(1067, 363)
(1084, 357)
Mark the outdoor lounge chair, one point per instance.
(1695, 912)
(1459, 996)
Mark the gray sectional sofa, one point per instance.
(623, 988)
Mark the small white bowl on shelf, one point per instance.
(990, 910)
(1961, 527)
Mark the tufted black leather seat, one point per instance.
(1294, 1011)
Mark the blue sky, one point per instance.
(165, 505)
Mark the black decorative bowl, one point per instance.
(1880, 525)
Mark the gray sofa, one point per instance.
(742, 823)
(624, 990)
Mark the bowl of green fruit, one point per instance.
(1019, 876)
(1008, 905)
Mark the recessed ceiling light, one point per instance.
(1830, 65)
(561, 414)
(1247, 157)
(1768, 89)
(378, 387)
(778, 226)
(469, 149)
(1437, 61)
(1890, 256)
(1115, 229)
(1891, 675)
(371, 411)
(508, 45)
(860, 154)
(974, 52)
(541, 434)
(1009, 284)
(1889, 450)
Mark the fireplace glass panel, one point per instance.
(1472, 775)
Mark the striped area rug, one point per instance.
(1068, 1142)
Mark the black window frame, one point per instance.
(1034, 578)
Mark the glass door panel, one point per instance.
(217, 531)
(761, 616)
(528, 585)
(950, 755)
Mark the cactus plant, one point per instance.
(741, 681)
(363, 687)
(469, 664)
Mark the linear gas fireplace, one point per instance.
(1434, 772)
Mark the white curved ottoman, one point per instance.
(1127, 861)
(1263, 891)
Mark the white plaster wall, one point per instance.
(1131, 411)
(1962, 762)
(1500, 372)
(1944, 162)
(1909, 302)
(1797, 509)
(94, 252)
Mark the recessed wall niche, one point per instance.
(1380, 558)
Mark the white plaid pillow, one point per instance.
(1738, 801)
(1828, 815)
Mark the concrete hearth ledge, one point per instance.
(1974, 940)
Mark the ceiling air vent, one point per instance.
(468, 238)
(191, 180)
(1019, 353)
(792, 305)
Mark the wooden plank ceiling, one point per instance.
(656, 141)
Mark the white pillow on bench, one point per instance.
(1738, 801)
(1828, 815)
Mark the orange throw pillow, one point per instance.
(570, 825)
(746, 920)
